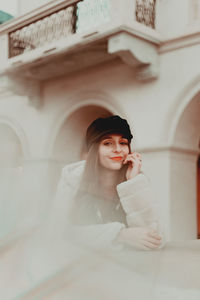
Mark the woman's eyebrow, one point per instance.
(106, 137)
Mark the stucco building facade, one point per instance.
(138, 59)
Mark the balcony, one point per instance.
(66, 36)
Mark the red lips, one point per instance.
(117, 158)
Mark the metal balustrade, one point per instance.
(50, 28)
(77, 17)
(145, 12)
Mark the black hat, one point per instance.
(103, 126)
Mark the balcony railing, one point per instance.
(77, 17)
(145, 12)
(58, 25)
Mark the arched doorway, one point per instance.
(183, 173)
(68, 146)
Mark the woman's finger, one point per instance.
(150, 245)
(155, 235)
(129, 159)
(154, 241)
(138, 155)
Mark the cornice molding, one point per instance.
(182, 41)
(191, 152)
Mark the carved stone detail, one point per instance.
(22, 86)
(136, 52)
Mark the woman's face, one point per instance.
(113, 150)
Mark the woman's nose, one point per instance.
(117, 148)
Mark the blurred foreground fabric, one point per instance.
(50, 270)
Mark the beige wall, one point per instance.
(164, 117)
(159, 112)
(26, 6)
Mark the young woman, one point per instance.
(106, 200)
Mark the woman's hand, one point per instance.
(134, 162)
(142, 238)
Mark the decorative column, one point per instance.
(172, 172)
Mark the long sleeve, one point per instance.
(138, 202)
(59, 224)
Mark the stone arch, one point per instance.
(13, 150)
(187, 96)
(68, 146)
(13, 145)
(185, 136)
(86, 107)
(187, 132)
(79, 100)
(87, 98)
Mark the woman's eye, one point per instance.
(107, 143)
(124, 143)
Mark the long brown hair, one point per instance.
(89, 182)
